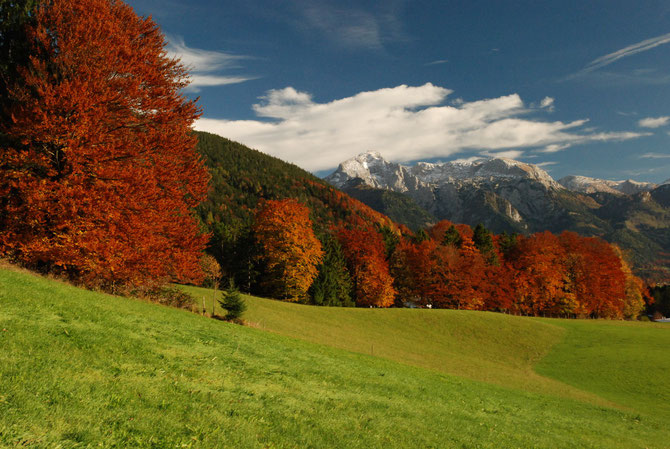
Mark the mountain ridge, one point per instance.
(512, 196)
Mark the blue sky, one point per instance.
(579, 87)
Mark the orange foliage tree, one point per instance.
(541, 277)
(595, 275)
(98, 170)
(634, 297)
(291, 251)
(365, 253)
(431, 274)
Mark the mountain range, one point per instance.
(513, 196)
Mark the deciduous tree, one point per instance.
(365, 253)
(291, 251)
(98, 173)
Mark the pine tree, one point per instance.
(233, 303)
(507, 243)
(421, 236)
(332, 286)
(484, 243)
(452, 237)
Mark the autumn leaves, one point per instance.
(290, 249)
(450, 266)
(99, 178)
(98, 173)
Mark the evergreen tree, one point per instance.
(484, 243)
(391, 240)
(507, 243)
(452, 237)
(421, 236)
(332, 286)
(233, 303)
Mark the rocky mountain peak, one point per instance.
(376, 172)
(372, 169)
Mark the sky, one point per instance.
(577, 87)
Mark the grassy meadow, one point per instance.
(82, 369)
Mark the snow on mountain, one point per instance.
(379, 173)
(584, 184)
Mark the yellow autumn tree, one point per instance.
(634, 299)
(291, 251)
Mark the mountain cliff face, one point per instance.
(502, 193)
(512, 196)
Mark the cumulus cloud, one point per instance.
(405, 123)
(205, 66)
(654, 122)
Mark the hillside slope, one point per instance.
(626, 359)
(398, 207)
(83, 369)
(241, 178)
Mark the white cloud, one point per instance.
(437, 62)
(405, 123)
(509, 154)
(654, 122)
(627, 51)
(655, 156)
(204, 65)
(554, 148)
(546, 164)
(547, 102)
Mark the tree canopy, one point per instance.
(98, 173)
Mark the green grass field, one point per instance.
(624, 364)
(82, 369)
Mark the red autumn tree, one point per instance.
(596, 276)
(365, 253)
(431, 272)
(98, 170)
(541, 277)
(291, 251)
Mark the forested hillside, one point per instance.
(241, 178)
(281, 232)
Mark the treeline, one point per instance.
(445, 266)
(360, 257)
